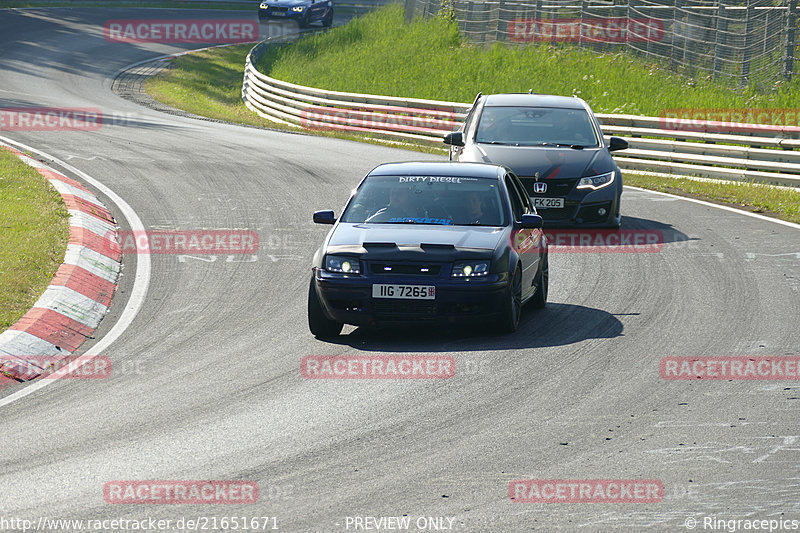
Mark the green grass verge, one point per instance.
(778, 202)
(209, 84)
(33, 237)
(379, 54)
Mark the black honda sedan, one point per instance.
(556, 147)
(430, 242)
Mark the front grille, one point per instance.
(463, 309)
(411, 308)
(406, 269)
(566, 213)
(347, 305)
(278, 9)
(555, 187)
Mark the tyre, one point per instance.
(328, 20)
(542, 283)
(512, 306)
(305, 20)
(320, 325)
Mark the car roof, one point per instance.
(533, 100)
(440, 168)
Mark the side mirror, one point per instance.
(531, 221)
(324, 217)
(617, 143)
(455, 138)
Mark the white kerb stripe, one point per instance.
(72, 304)
(19, 343)
(95, 262)
(65, 188)
(90, 222)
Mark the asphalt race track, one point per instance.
(208, 386)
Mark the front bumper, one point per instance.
(348, 299)
(582, 209)
(278, 14)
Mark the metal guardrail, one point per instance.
(743, 152)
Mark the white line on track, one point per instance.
(141, 281)
(723, 207)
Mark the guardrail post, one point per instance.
(584, 5)
(499, 30)
(791, 43)
(410, 7)
(720, 41)
(673, 49)
(748, 44)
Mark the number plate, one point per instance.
(404, 292)
(278, 14)
(548, 203)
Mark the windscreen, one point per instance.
(532, 126)
(440, 200)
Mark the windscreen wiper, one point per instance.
(563, 145)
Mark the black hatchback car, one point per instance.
(556, 147)
(304, 12)
(429, 242)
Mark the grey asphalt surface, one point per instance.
(208, 382)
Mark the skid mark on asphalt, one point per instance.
(722, 453)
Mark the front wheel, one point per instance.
(512, 306)
(305, 20)
(328, 20)
(320, 325)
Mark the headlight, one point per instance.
(470, 269)
(298, 9)
(597, 182)
(264, 5)
(342, 264)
